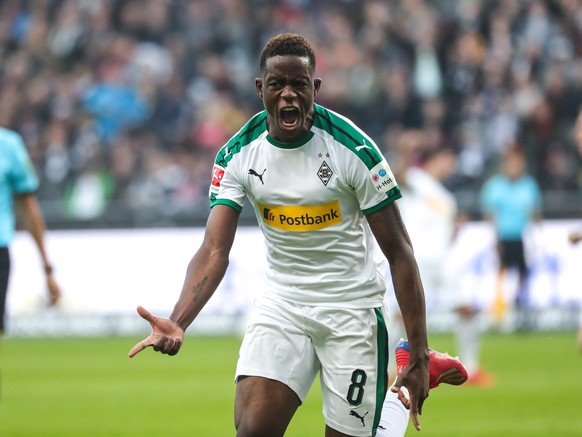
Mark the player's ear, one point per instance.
(259, 87)
(316, 85)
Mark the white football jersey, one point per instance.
(310, 198)
(429, 210)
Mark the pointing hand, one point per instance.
(166, 336)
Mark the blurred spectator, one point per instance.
(479, 75)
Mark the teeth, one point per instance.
(289, 110)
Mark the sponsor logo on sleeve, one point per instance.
(382, 177)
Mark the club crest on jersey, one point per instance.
(324, 173)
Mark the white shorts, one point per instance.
(291, 343)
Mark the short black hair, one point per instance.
(287, 44)
(429, 153)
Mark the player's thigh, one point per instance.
(263, 406)
(354, 360)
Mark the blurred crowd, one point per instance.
(124, 103)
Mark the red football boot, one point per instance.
(442, 367)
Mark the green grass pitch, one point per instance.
(88, 387)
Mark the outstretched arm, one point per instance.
(29, 214)
(204, 273)
(391, 234)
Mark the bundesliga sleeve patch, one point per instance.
(382, 177)
(217, 175)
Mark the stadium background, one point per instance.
(123, 104)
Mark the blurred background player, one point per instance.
(18, 184)
(430, 212)
(427, 207)
(511, 201)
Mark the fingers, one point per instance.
(145, 314)
(397, 386)
(403, 394)
(164, 345)
(404, 397)
(413, 405)
(414, 419)
(168, 345)
(54, 291)
(176, 346)
(415, 411)
(172, 346)
(139, 347)
(160, 344)
(420, 404)
(166, 337)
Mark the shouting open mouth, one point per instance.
(290, 117)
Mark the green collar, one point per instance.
(293, 145)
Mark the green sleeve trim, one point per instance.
(226, 202)
(393, 194)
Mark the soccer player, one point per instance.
(321, 191)
(429, 211)
(431, 215)
(18, 184)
